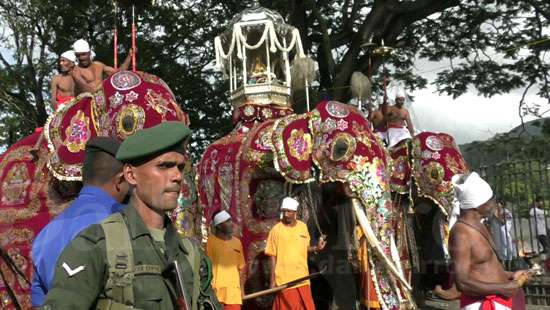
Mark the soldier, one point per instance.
(126, 261)
(226, 253)
(103, 192)
(288, 247)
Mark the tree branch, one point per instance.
(345, 16)
(539, 9)
(353, 14)
(5, 63)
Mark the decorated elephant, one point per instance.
(328, 158)
(35, 189)
(247, 171)
(422, 192)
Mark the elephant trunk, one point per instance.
(369, 233)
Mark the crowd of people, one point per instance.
(114, 247)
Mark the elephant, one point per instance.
(36, 188)
(338, 168)
(423, 194)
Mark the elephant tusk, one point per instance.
(369, 234)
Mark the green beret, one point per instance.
(103, 144)
(151, 142)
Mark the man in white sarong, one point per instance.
(398, 120)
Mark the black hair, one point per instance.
(99, 168)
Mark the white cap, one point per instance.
(69, 55)
(221, 217)
(290, 203)
(81, 46)
(471, 190)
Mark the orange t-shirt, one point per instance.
(227, 259)
(289, 246)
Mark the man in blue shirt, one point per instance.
(102, 195)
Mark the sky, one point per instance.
(469, 117)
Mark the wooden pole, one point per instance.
(284, 286)
(133, 38)
(115, 40)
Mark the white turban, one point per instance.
(69, 55)
(471, 190)
(81, 46)
(290, 203)
(221, 217)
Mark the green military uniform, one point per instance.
(85, 270)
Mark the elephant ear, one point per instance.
(124, 103)
(293, 145)
(343, 141)
(23, 188)
(67, 132)
(25, 208)
(436, 158)
(136, 100)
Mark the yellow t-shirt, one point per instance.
(289, 246)
(227, 259)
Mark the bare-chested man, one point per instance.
(62, 91)
(88, 75)
(62, 84)
(376, 117)
(479, 276)
(399, 122)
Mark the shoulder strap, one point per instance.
(194, 259)
(489, 241)
(120, 260)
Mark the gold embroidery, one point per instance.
(78, 133)
(22, 154)
(299, 144)
(14, 187)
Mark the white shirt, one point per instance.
(538, 216)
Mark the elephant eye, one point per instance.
(342, 147)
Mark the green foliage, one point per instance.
(516, 164)
(519, 182)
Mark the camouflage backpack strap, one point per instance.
(120, 263)
(194, 259)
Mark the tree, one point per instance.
(494, 47)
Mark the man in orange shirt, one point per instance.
(226, 254)
(288, 247)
